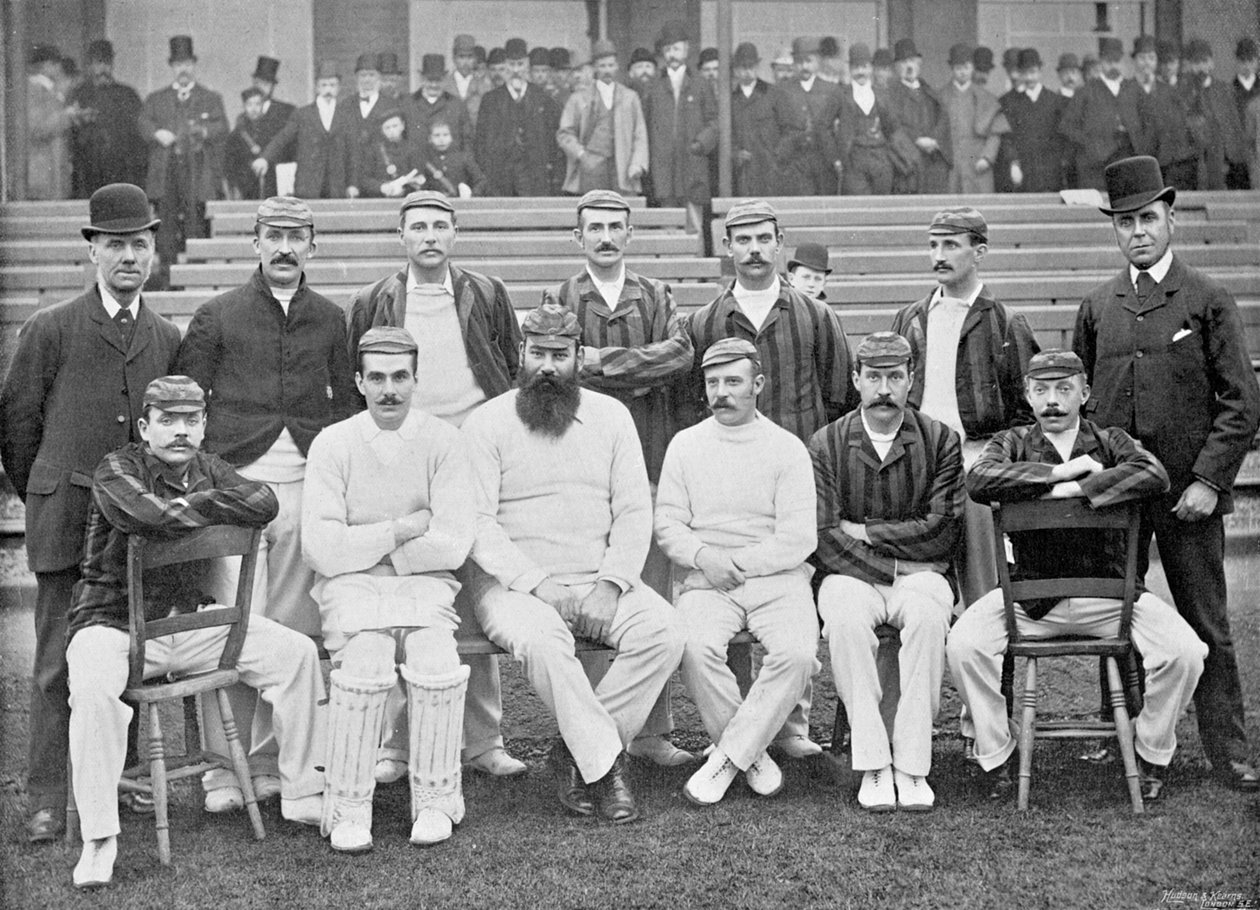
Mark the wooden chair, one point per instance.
(145, 553)
(1045, 514)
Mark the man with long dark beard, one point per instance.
(563, 525)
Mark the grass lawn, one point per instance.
(1079, 846)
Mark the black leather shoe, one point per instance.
(1000, 782)
(570, 787)
(45, 826)
(1236, 773)
(1150, 779)
(616, 800)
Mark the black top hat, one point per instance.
(118, 208)
(1133, 183)
(1010, 58)
(389, 63)
(266, 69)
(101, 51)
(1110, 49)
(960, 54)
(516, 48)
(181, 49)
(1246, 49)
(1145, 44)
(905, 50)
(433, 67)
(368, 62)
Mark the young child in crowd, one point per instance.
(449, 170)
(391, 167)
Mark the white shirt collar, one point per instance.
(1247, 81)
(408, 430)
(808, 84)
(606, 90)
(462, 83)
(913, 86)
(1033, 93)
(1066, 92)
(881, 437)
(41, 79)
(446, 282)
(864, 96)
(1158, 271)
(939, 294)
(112, 306)
(748, 89)
(961, 88)
(609, 290)
(676, 76)
(1113, 85)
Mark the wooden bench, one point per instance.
(1007, 236)
(480, 220)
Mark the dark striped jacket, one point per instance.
(994, 348)
(803, 352)
(911, 503)
(1016, 465)
(644, 352)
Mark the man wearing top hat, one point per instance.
(242, 149)
(319, 137)
(735, 510)
(471, 338)
(865, 130)
(272, 357)
(431, 103)
(976, 126)
(275, 115)
(754, 132)
(805, 110)
(393, 79)
(74, 392)
(603, 133)
(1066, 456)
(1168, 136)
(563, 526)
(106, 144)
(1033, 112)
(1107, 119)
(923, 118)
(890, 502)
(185, 126)
(1164, 349)
(515, 140)
(463, 81)
(367, 110)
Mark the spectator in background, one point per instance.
(982, 64)
(830, 63)
(1002, 179)
(1069, 73)
(463, 81)
(540, 69)
(1091, 68)
(784, 67)
(447, 170)
(394, 165)
(642, 70)
(107, 145)
(1168, 136)
(754, 132)
(185, 126)
(1251, 136)
(805, 109)
(864, 130)
(924, 120)
(275, 115)
(603, 133)
(320, 137)
(708, 65)
(48, 123)
(431, 102)
(516, 132)
(882, 68)
(1212, 114)
(976, 125)
(1107, 119)
(561, 85)
(808, 270)
(1169, 53)
(1246, 88)
(496, 68)
(366, 115)
(393, 80)
(1034, 113)
(243, 148)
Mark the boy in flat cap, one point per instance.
(1165, 351)
(603, 133)
(563, 526)
(735, 510)
(387, 520)
(272, 356)
(1064, 455)
(105, 345)
(890, 498)
(164, 486)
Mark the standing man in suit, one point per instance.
(516, 132)
(106, 143)
(1106, 119)
(74, 392)
(976, 126)
(865, 126)
(925, 121)
(48, 123)
(431, 102)
(681, 112)
(603, 133)
(185, 127)
(463, 82)
(754, 132)
(1165, 352)
(1034, 112)
(319, 137)
(805, 111)
(1246, 88)
(366, 115)
(275, 115)
(1168, 137)
(1212, 114)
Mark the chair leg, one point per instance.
(1027, 733)
(240, 764)
(1124, 733)
(157, 780)
(1134, 682)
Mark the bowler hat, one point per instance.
(463, 44)
(387, 339)
(496, 56)
(960, 54)
(559, 58)
(266, 69)
(672, 32)
(327, 69)
(859, 55)
(551, 325)
(367, 62)
(539, 56)
(905, 50)
(812, 256)
(603, 48)
(1068, 62)
(883, 57)
(1111, 49)
(883, 349)
(1167, 51)
(433, 67)
(101, 51)
(119, 208)
(803, 47)
(641, 55)
(1144, 44)
(1133, 183)
(828, 46)
(389, 63)
(1054, 364)
(708, 55)
(1028, 59)
(181, 49)
(1196, 51)
(427, 199)
(1246, 49)
(1010, 58)
(729, 350)
(174, 393)
(745, 56)
(982, 59)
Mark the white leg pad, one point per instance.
(356, 710)
(436, 708)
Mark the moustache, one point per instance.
(882, 401)
(287, 258)
(607, 248)
(941, 267)
(1053, 412)
(755, 259)
(722, 404)
(389, 400)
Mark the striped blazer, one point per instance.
(911, 502)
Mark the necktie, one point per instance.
(126, 325)
(1145, 285)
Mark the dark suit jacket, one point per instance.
(849, 120)
(1034, 138)
(681, 136)
(72, 395)
(1090, 119)
(1216, 127)
(495, 147)
(322, 156)
(420, 115)
(201, 128)
(921, 113)
(1174, 373)
(754, 130)
(1168, 137)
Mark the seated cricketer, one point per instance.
(387, 519)
(164, 486)
(735, 507)
(563, 526)
(890, 505)
(1064, 456)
